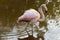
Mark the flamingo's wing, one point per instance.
(31, 13)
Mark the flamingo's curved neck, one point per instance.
(40, 10)
(41, 13)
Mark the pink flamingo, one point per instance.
(32, 15)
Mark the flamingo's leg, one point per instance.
(33, 29)
(37, 26)
(26, 29)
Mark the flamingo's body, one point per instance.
(30, 15)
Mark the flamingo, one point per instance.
(33, 16)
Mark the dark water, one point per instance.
(10, 10)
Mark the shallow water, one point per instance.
(53, 30)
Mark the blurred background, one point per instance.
(10, 10)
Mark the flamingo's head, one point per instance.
(19, 19)
(45, 7)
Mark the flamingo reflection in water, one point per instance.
(33, 16)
